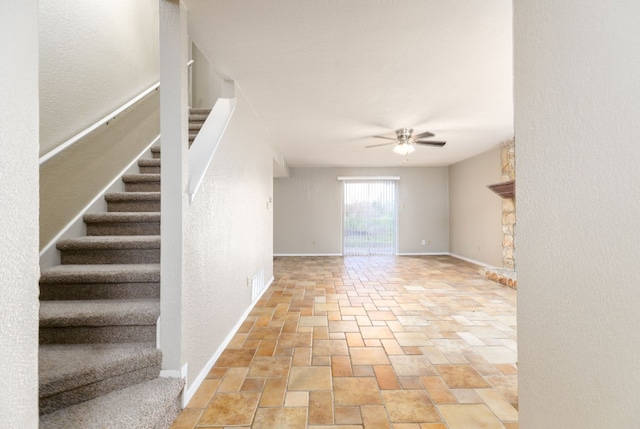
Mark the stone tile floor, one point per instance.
(368, 342)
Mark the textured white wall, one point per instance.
(475, 213)
(308, 209)
(94, 57)
(577, 106)
(227, 238)
(19, 213)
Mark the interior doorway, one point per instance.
(369, 224)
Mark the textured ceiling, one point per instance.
(326, 75)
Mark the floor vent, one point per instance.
(256, 283)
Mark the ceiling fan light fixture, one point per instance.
(404, 148)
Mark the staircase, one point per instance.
(98, 363)
(196, 120)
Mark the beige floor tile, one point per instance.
(187, 419)
(386, 377)
(230, 409)
(375, 417)
(341, 366)
(356, 391)
(414, 365)
(498, 354)
(376, 332)
(233, 380)
(313, 321)
(296, 399)
(204, 393)
(343, 326)
(369, 356)
(413, 339)
(310, 378)
(281, 418)
(330, 348)
(333, 336)
(407, 406)
(498, 404)
(274, 392)
(347, 415)
(321, 407)
(467, 396)
(461, 377)
(270, 366)
(235, 357)
(469, 417)
(294, 340)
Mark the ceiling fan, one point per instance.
(404, 141)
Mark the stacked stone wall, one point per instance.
(508, 155)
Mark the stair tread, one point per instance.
(101, 273)
(142, 405)
(64, 367)
(132, 196)
(153, 162)
(199, 110)
(142, 177)
(104, 242)
(108, 312)
(122, 217)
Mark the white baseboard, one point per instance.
(307, 254)
(424, 254)
(473, 261)
(188, 393)
(49, 255)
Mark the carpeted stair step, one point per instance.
(123, 223)
(114, 249)
(155, 152)
(133, 201)
(149, 166)
(150, 405)
(74, 373)
(195, 126)
(141, 182)
(103, 281)
(99, 321)
(199, 111)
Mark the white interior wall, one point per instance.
(475, 212)
(19, 214)
(308, 209)
(227, 238)
(206, 83)
(578, 203)
(94, 57)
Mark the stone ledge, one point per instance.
(504, 276)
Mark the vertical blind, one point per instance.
(369, 225)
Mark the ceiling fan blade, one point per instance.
(383, 137)
(431, 143)
(424, 135)
(377, 145)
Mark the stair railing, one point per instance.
(206, 142)
(104, 121)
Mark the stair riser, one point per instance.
(142, 187)
(99, 334)
(111, 256)
(133, 206)
(123, 228)
(53, 292)
(93, 390)
(149, 170)
(155, 155)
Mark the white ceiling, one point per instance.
(326, 75)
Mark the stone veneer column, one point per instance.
(508, 158)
